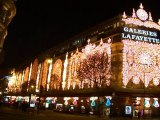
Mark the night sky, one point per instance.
(41, 24)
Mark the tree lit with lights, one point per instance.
(56, 75)
(95, 66)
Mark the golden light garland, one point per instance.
(56, 75)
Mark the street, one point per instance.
(13, 114)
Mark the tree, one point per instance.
(55, 82)
(94, 69)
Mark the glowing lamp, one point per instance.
(75, 100)
(108, 101)
(66, 100)
(93, 101)
(155, 102)
(146, 102)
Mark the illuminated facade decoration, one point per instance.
(34, 70)
(49, 73)
(26, 75)
(29, 77)
(138, 101)
(44, 74)
(93, 101)
(142, 19)
(108, 101)
(54, 100)
(155, 102)
(147, 102)
(65, 72)
(142, 14)
(74, 63)
(12, 82)
(56, 75)
(122, 58)
(140, 63)
(23, 76)
(95, 64)
(66, 100)
(19, 81)
(38, 78)
(75, 100)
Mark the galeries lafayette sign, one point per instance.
(140, 35)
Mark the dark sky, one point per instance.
(41, 24)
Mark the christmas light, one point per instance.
(44, 73)
(74, 62)
(75, 100)
(54, 99)
(65, 72)
(155, 102)
(12, 81)
(146, 102)
(23, 77)
(38, 75)
(142, 20)
(29, 77)
(93, 101)
(108, 101)
(19, 81)
(94, 65)
(140, 62)
(156, 81)
(26, 74)
(66, 100)
(49, 73)
(56, 75)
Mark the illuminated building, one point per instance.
(116, 63)
(7, 12)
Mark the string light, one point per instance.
(65, 72)
(49, 73)
(140, 62)
(56, 75)
(141, 20)
(95, 64)
(38, 75)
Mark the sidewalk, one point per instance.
(50, 115)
